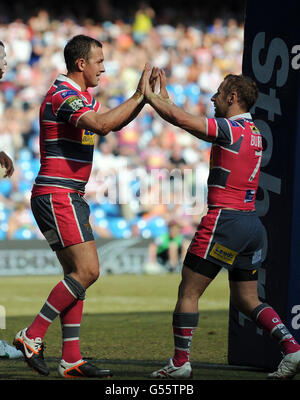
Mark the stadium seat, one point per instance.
(25, 186)
(4, 213)
(154, 227)
(2, 232)
(5, 187)
(192, 91)
(98, 213)
(111, 210)
(24, 234)
(119, 227)
(24, 155)
(177, 93)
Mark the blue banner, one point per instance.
(272, 59)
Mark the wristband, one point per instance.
(141, 96)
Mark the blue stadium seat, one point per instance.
(177, 93)
(24, 155)
(119, 227)
(157, 226)
(98, 213)
(2, 232)
(192, 91)
(111, 210)
(25, 186)
(24, 234)
(5, 187)
(4, 214)
(154, 227)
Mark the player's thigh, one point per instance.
(243, 295)
(193, 284)
(80, 259)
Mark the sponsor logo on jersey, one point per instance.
(75, 102)
(224, 254)
(254, 129)
(88, 138)
(68, 93)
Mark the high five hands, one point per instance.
(148, 82)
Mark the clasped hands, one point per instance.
(146, 87)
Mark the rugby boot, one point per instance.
(288, 367)
(172, 372)
(33, 351)
(82, 369)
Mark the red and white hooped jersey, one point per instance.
(66, 151)
(234, 162)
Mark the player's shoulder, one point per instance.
(64, 91)
(65, 87)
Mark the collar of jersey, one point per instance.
(64, 78)
(239, 116)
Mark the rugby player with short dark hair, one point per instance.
(69, 119)
(230, 235)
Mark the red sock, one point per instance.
(182, 355)
(184, 325)
(70, 321)
(59, 298)
(269, 320)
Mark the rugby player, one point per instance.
(69, 119)
(230, 235)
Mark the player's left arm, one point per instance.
(196, 125)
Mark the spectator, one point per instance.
(169, 249)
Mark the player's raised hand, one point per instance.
(163, 83)
(154, 77)
(143, 80)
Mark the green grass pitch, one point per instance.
(126, 326)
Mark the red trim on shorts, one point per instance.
(66, 220)
(204, 234)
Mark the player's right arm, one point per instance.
(115, 119)
(112, 120)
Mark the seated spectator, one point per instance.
(169, 249)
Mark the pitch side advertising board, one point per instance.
(272, 58)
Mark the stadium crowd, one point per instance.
(140, 173)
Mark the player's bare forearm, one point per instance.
(122, 115)
(177, 116)
(131, 117)
(113, 119)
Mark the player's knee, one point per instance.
(188, 291)
(91, 275)
(94, 274)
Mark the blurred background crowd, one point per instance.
(196, 45)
